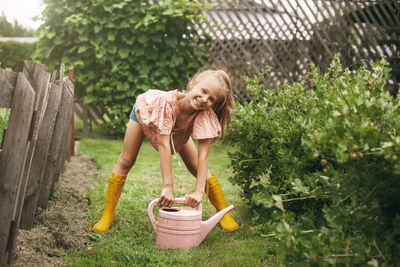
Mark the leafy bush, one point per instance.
(320, 167)
(121, 49)
(12, 52)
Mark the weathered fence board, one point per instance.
(13, 157)
(28, 200)
(7, 85)
(57, 150)
(67, 152)
(69, 138)
(40, 80)
(39, 158)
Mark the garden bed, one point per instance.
(62, 226)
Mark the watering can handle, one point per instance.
(154, 203)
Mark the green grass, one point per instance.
(131, 240)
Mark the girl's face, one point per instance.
(204, 93)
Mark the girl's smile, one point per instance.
(197, 103)
(204, 93)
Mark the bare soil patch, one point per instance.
(62, 227)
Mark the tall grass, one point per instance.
(131, 240)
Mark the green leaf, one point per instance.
(50, 35)
(148, 19)
(97, 28)
(124, 52)
(142, 39)
(122, 86)
(278, 203)
(298, 186)
(111, 35)
(386, 144)
(120, 5)
(373, 263)
(172, 42)
(82, 49)
(83, 38)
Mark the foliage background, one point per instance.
(320, 167)
(8, 29)
(119, 50)
(12, 52)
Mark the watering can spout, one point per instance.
(208, 225)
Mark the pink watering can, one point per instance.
(183, 228)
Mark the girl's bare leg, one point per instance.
(133, 140)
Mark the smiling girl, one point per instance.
(170, 120)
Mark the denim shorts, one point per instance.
(133, 114)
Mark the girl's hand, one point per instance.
(193, 199)
(167, 197)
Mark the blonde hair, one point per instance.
(224, 106)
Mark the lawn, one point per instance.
(131, 240)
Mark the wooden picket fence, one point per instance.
(36, 144)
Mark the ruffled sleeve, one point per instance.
(206, 125)
(163, 115)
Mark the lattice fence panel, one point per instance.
(289, 34)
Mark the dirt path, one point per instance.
(62, 226)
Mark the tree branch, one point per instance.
(379, 251)
(303, 232)
(297, 198)
(366, 197)
(343, 255)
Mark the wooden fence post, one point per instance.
(57, 148)
(68, 140)
(85, 119)
(13, 157)
(72, 142)
(39, 80)
(35, 176)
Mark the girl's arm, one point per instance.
(194, 198)
(167, 193)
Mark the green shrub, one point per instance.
(323, 161)
(121, 49)
(12, 52)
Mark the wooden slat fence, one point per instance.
(289, 34)
(35, 145)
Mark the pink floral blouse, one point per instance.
(157, 109)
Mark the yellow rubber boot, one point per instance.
(213, 189)
(114, 190)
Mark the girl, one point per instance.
(168, 119)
